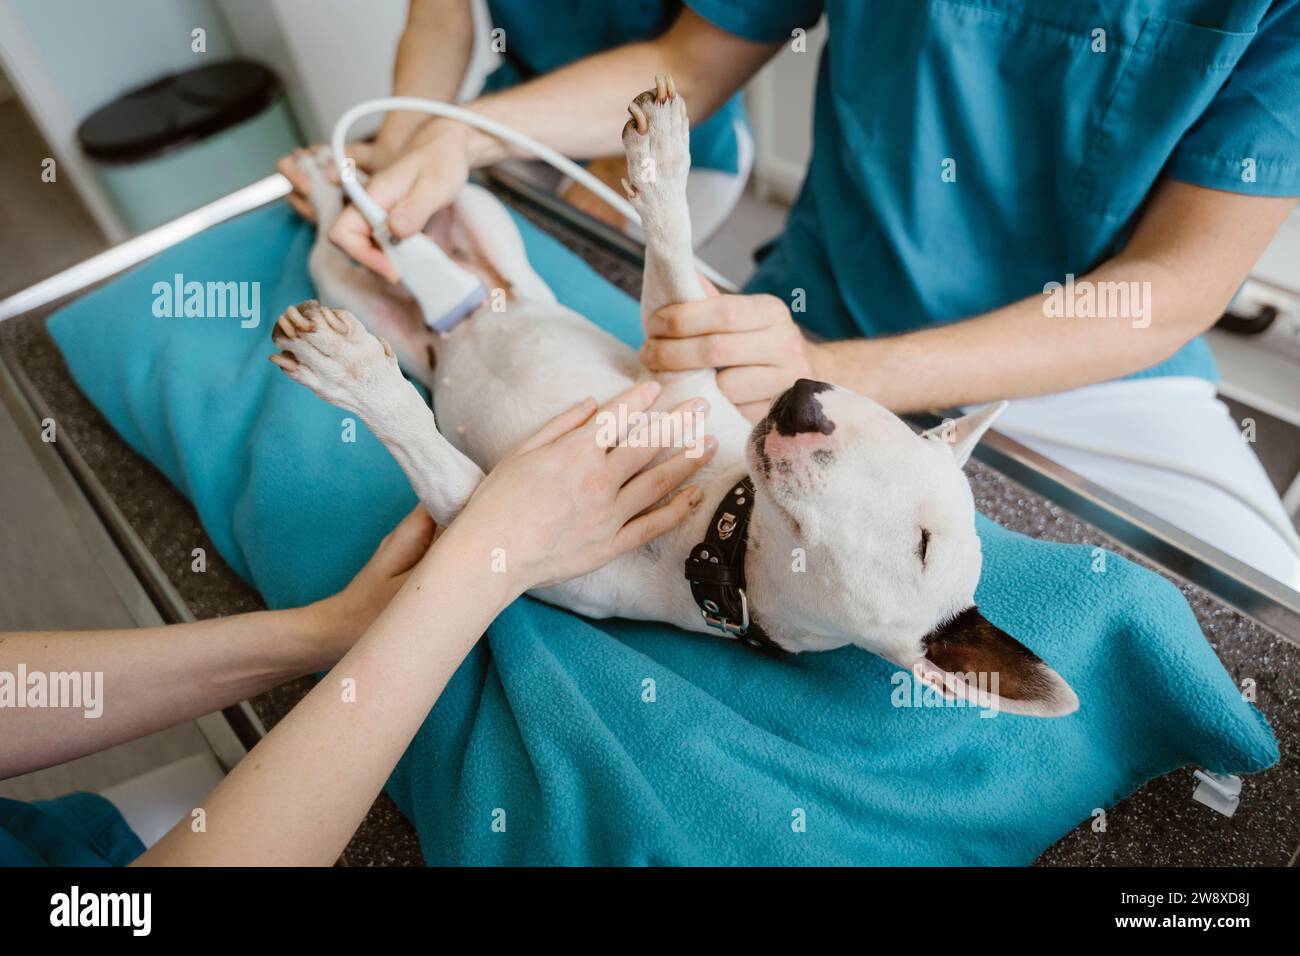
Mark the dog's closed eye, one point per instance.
(923, 546)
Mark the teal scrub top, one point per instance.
(79, 829)
(541, 37)
(1056, 118)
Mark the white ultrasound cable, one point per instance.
(377, 216)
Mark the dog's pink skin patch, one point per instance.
(776, 445)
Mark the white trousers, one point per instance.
(1173, 425)
(154, 802)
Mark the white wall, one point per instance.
(780, 104)
(331, 53)
(98, 49)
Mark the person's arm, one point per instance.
(432, 57)
(156, 677)
(433, 54)
(1194, 246)
(299, 795)
(578, 110)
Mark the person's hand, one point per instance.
(369, 158)
(429, 173)
(563, 503)
(752, 339)
(342, 618)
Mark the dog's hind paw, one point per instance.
(331, 353)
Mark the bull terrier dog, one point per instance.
(829, 522)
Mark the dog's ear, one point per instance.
(973, 659)
(963, 434)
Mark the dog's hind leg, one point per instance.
(658, 146)
(330, 352)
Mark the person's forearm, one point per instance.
(1188, 255)
(580, 109)
(139, 681)
(1021, 350)
(297, 798)
(432, 56)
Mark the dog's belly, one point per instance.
(502, 375)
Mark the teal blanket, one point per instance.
(568, 741)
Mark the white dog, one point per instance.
(828, 523)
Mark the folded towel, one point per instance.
(568, 741)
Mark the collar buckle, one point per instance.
(714, 619)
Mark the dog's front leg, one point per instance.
(658, 145)
(386, 310)
(330, 352)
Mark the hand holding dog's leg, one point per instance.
(753, 339)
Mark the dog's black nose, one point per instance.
(797, 409)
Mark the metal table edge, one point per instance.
(130, 568)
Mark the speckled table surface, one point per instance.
(1157, 825)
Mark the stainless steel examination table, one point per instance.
(141, 530)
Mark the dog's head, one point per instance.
(876, 524)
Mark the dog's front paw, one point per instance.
(657, 140)
(331, 353)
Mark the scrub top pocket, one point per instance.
(964, 127)
(1170, 74)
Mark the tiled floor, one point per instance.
(44, 227)
(48, 578)
(48, 581)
